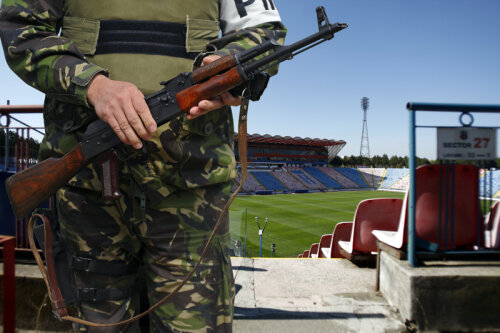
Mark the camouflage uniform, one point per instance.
(174, 190)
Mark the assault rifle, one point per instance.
(31, 187)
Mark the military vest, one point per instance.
(193, 24)
(182, 153)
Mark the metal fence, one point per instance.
(17, 160)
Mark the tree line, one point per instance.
(13, 139)
(352, 161)
(385, 161)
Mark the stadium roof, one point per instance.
(295, 141)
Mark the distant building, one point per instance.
(286, 150)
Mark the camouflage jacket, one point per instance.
(48, 44)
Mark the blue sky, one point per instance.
(393, 52)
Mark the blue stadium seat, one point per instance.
(268, 181)
(489, 183)
(320, 176)
(392, 176)
(354, 175)
(309, 181)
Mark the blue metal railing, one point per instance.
(413, 107)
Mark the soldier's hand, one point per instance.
(122, 106)
(206, 106)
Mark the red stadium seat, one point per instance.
(342, 232)
(371, 214)
(313, 252)
(488, 219)
(446, 200)
(305, 254)
(324, 242)
(492, 226)
(396, 238)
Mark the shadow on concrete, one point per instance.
(248, 269)
(237, 288)
(455, 264)
(268, 313)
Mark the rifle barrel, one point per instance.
(282, 53)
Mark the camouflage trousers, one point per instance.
(132, 245)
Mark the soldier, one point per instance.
(99, 59)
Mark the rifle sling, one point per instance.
(49, 274)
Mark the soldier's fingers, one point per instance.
(135, 122)
(229, 99)
(210, 58)
(107, 110)
(204, 107)
(124, 126)
(194, 112)
(116, 128)
(211, 104)
(144, 113)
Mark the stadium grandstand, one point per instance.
(290, 151)
(280, 164)
(489, 183)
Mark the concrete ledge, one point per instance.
(444, 295)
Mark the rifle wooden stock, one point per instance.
(191, 96)
(31, 187)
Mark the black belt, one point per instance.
(144, 37)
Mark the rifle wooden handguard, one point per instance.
(217, 85)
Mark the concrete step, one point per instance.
(273, 295)
(331, 295)
(309, 295)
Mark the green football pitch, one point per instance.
(295, 221)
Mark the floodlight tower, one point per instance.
(364, 150)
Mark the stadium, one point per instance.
(322, 240)
(283, 165)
